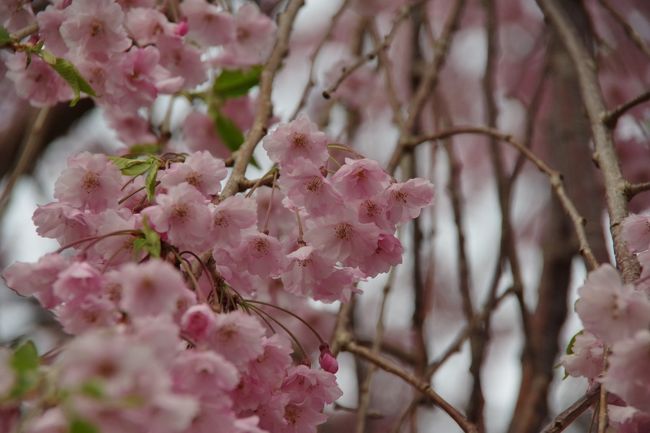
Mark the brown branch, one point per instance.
(570, 414)
(555, 178)
(28, 152)
(632, 189)
(314, 55)
(348, 70)
(605, 152)
(422, 386)
(629, 30)
(429, 80)
(610, 118)
(364, 391)
(264, 109)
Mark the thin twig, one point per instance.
(311, 82)
(629, 30)
(570, 414)
(422, 386)
(611, 117)
(348, 70)
(555, 179)
(428, 83)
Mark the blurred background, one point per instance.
(504, 67)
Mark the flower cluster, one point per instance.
(160, 276)
(140, 228)
(614, 348)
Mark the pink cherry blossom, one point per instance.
(90, 311)
(182, 214)
(406, 199)
(342, 237)
(628, 375)
(261, 255)
(306, 269)
(62, 222)
(16, 14)
(254, 35)
(208, 24)
(338, 286)
(297, 139)
(326, 360)
(204, 374)
(131, 128)
(182, 60)
(36, 279)
(95, 28)
(317, 387)
(36, 81)
(198, 322)
(200, 134)
(237, 337)
(609, 309)
(146, 25)
(49, 28)
(76, 282)
(305, 186)
(587, 357)
(231, 218)
(91, 181)
(152, 288)
(373, 210)
(360, 178)
(387, 253)
(201, 170)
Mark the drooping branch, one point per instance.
(610, 119)
(264, 109)
(605, 154)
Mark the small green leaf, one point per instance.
(48, 58)
(150, 242)
(79, 425)
(228, 132)
(5, 37)
(71, 75)
(572, 342)
(234, 83)
(25, 358)
(138, 168)
(150, 181)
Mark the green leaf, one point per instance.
(150, 242)
(228, 132)
(25, 358)
(133, 167)
(79, 425)
(234, 83)
(5, 37)
(150, 181)
(71, 75)
(572, 342)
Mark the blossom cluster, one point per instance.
(127, 53)
(614, 347)
(160, 276)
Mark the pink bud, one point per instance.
(182, 28)
(327, 360)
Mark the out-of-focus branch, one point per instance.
(314, 55)
(611, 117)
(264, 109)
(364, 391)
(428, 82)
(388, 39)
(425, 388)
(27, 153)
(629, 30)
(555, 178)
(605, 152)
